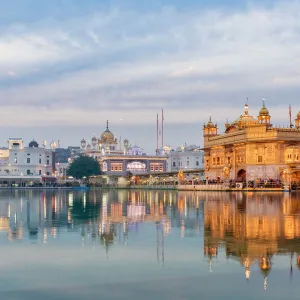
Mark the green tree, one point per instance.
(84, 166)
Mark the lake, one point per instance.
(123, 244)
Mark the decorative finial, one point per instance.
(107, 124)
(263, 102)
(246, 108)
(209, 117)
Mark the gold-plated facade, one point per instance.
(252, 148)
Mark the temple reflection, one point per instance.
(252, 228)
(249, 228)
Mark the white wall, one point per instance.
(185, 160)
(26, 161)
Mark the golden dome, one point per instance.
(107, 135)
(298, 115)
(245, 119)
(263, 111)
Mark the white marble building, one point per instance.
(21, 162)
(185, 158)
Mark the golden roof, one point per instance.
(298, 115)
(210, 124)
(263, 111)
(107, 135)
(245, 120)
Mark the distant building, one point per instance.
(121, 159)
(74, 150)
(186, 158)
(62, 155)
(19, 163)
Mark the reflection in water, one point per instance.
(249, 228)
(253, 228)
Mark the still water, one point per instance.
(149, 245)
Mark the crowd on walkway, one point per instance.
(258, 183)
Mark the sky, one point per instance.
(67, 66)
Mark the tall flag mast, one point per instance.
(290, 114)
(162, 128)
(157, 135)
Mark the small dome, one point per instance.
(298, 115)
(94, 138)
(263, 111)
(210, 124)
(83, 143)
(53, 145)
(33, 144)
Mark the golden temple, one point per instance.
(251, 148)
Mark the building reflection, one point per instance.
(252, 228)
(248, 228)
(99, 217)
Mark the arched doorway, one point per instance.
(241, 175)
(296, 177)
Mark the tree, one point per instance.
(83, 166)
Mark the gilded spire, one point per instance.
(246, 111)
(106, 124)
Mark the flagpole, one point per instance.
(290, 113)
(157, 135)
(162, 129)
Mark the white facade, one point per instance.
(185, 158)
(18, 160)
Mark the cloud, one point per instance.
(127, 64)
